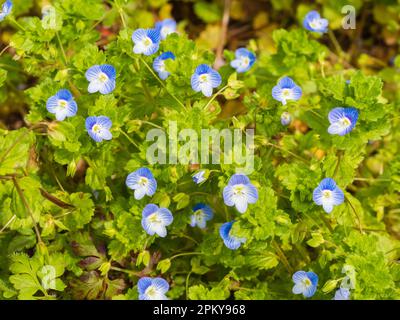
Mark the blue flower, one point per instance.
(155, 220)
(99, 128)
(328, 194)
(143, 182)
(159, 64)
(239, 192)
(199, 177)
(202, 213)
(305, 283)
(231, 242)
(342, 294)
(152, 288)
(5, 9)
(313, 22)
(205, 79)
(166, 27)
(62, 104)
(286, 118)
(101, 78)
(147, 41)
(285, 90)
(244, 60)
(342, 120)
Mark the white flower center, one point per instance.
(315, 24)
(62, 103)
(151, 292)
(103, 77)
(345, 122)
(96, 128)
(147, 42)
(203, 78)
(327, 194)
(154, 218)
(286, 92)
(238, 190)
(245, 61)
(143, 181)
(306, 282)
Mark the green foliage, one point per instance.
(71, 229)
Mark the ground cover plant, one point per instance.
(313, 212)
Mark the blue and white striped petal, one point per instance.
(231, 242)
(244, 60)
(305, 283)
(101, 78)
(285, 90)
(204, 79)
(240, 192)
(313, 22)
(201, 214)
(5, 9)
(166, 27)
(286, 118)
(146, 41)
(62, 104)
(342, 120)
(159, 64)
(143, 182)
(328, 195)
(152, 288)
(98, 128)
(155, 220)
(342, 294)
(199, 177)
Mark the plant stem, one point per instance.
(131, 272)
(62, 48)
(214, 96)
(8, 223)
(162, 83)
(336, 44)
(291, 153)
(185, 254)
(129, 138)
(152, 124)
(28, 209)
(282, 256)
(17, 24)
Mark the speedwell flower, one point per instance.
(155, 220)
(239, 192)
(199, 177)
(5, 9)
(166, 27)
(62, 104)
(99, 128)
(313, 22)
(286, 89)
(244, 60)
(286, 118)
(231, 242)
(328, 194)
(201, 214)
(305, 283)
(159, 64)
(342, 294)
(152, 288)
(342, 120)
(101, 78)
(143, 182)
(204, 79)
(147, 41)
